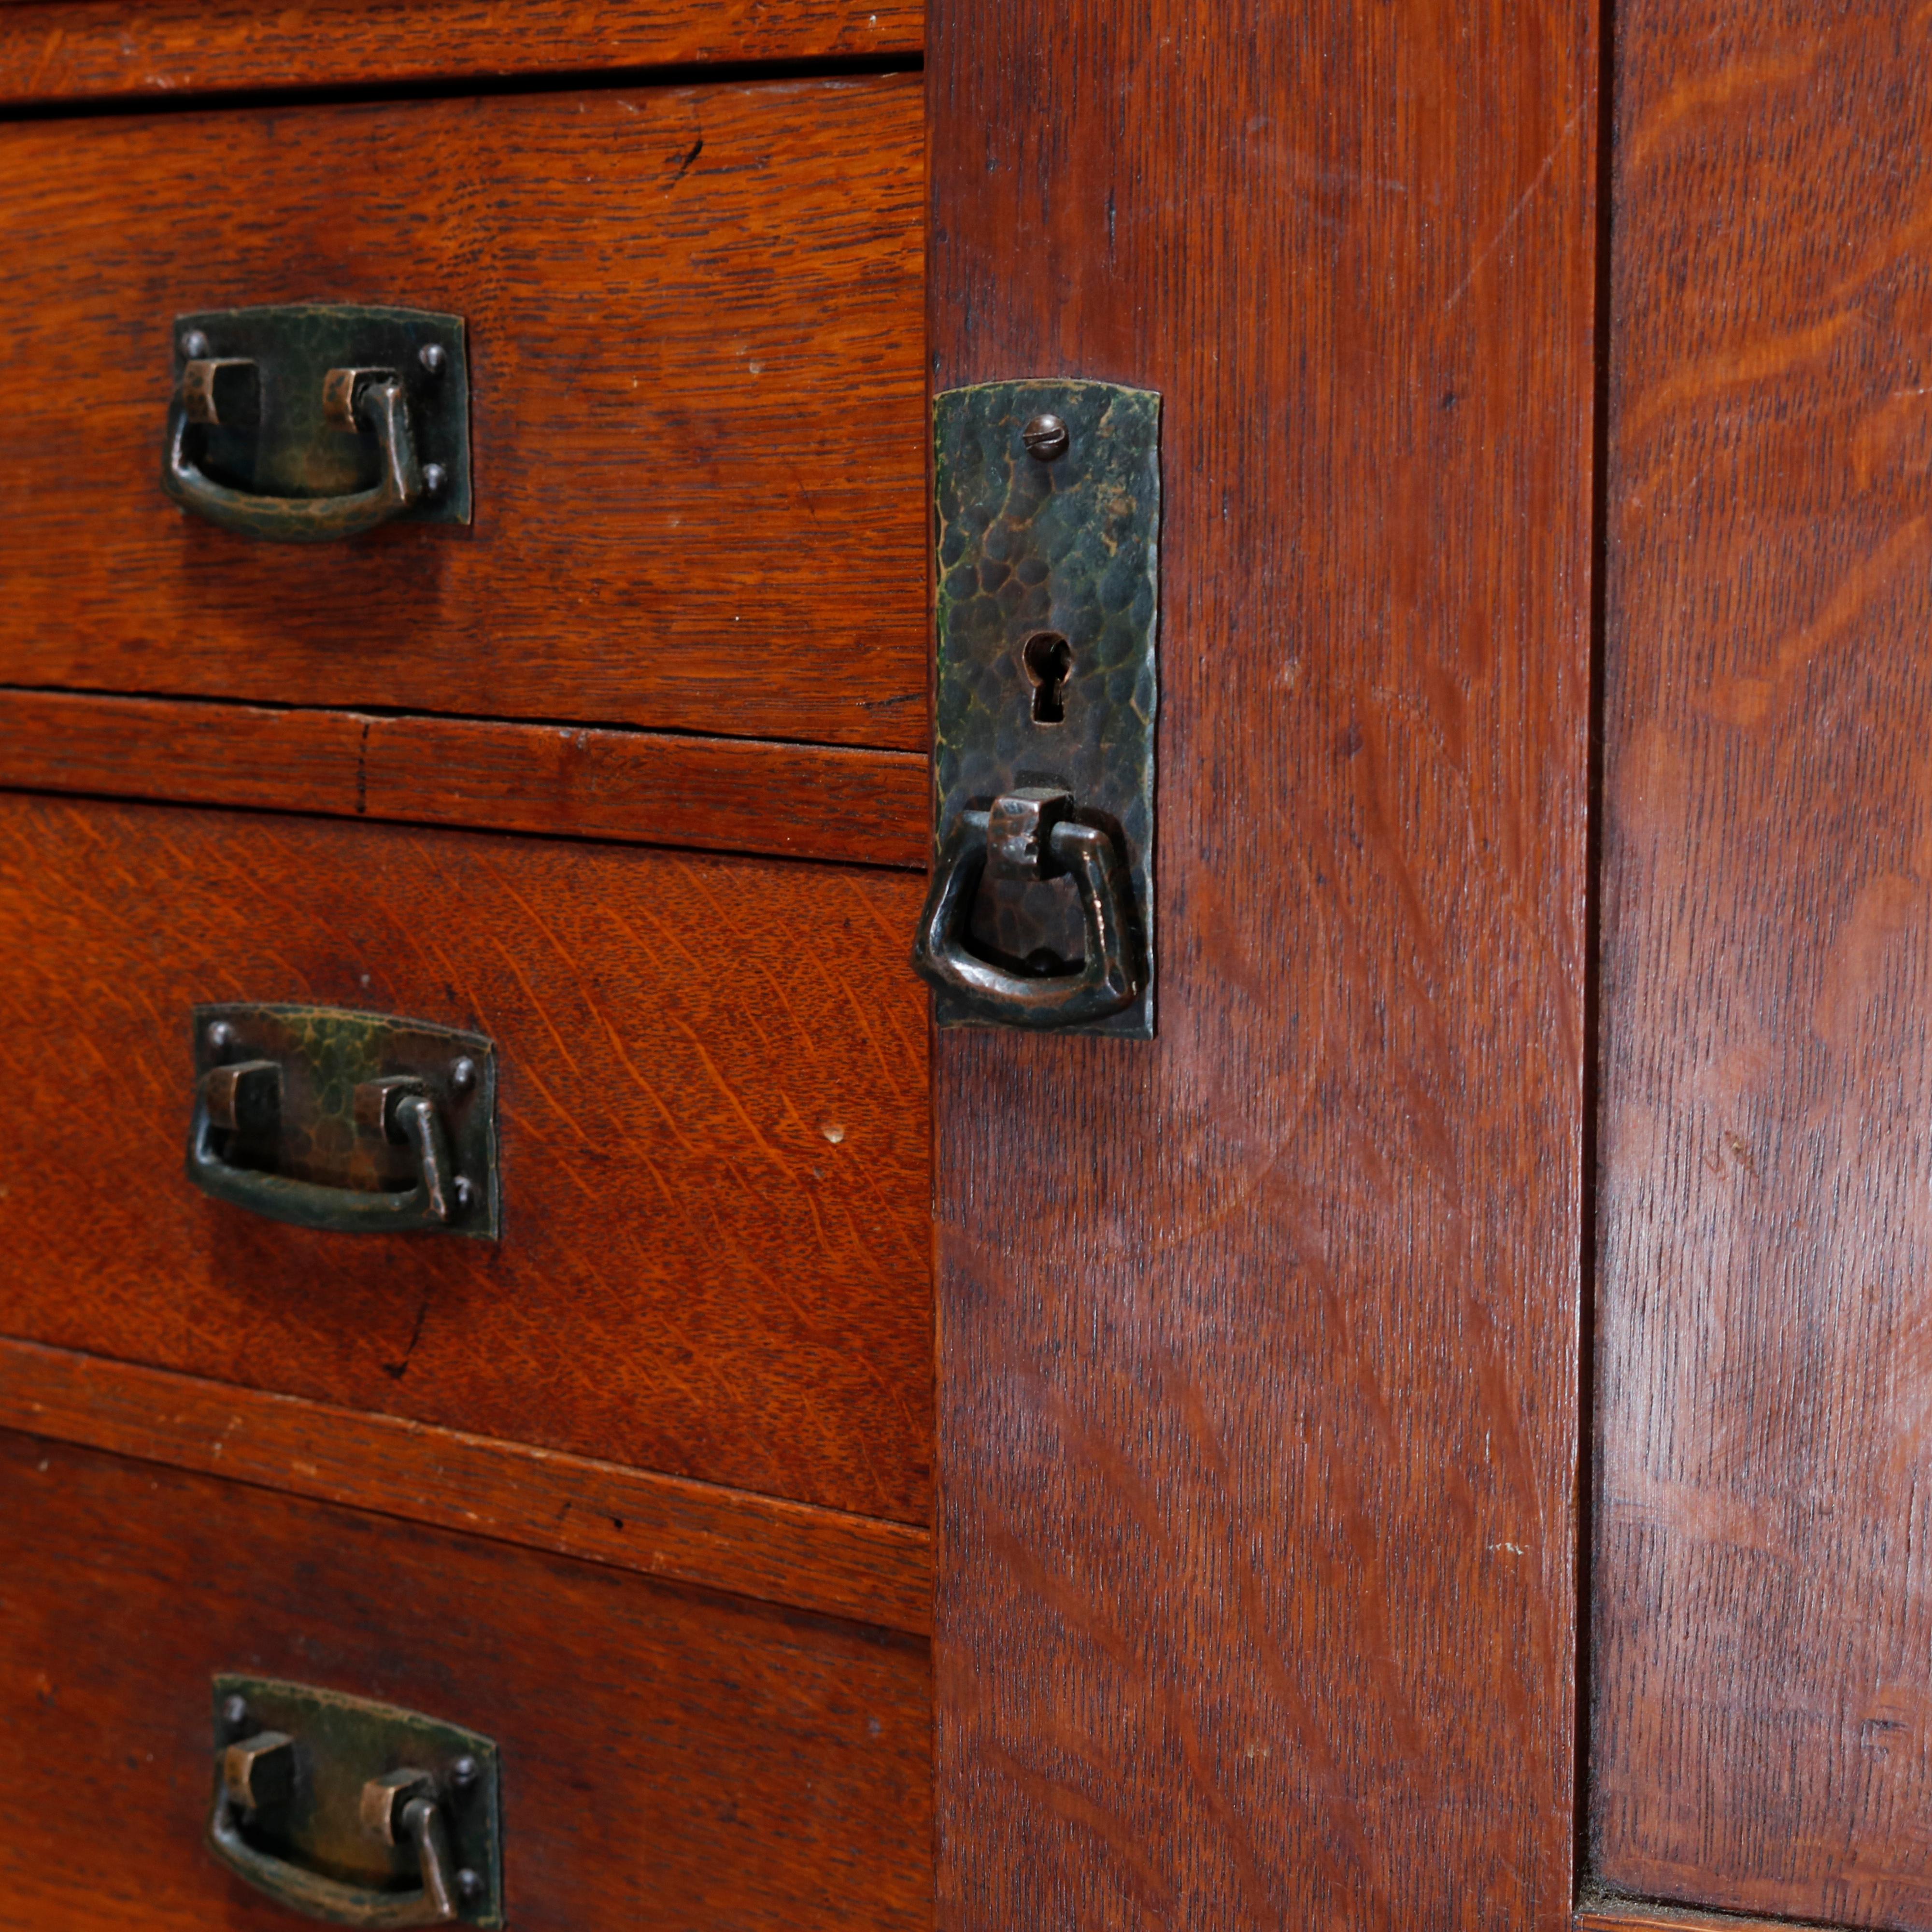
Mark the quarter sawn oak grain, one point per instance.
(1761, 1736)
(1259, 1342)
(715, 1257)
(696, 423)
(670, 1759)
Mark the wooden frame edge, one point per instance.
(795, 1554)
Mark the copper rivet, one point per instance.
(1046, 438)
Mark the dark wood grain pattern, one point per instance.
(669, 1759)
(696, 425)
(1257, 1343)
(649, 787)
(712, 1093)
(62, 50)
(813, 1559)
(1762, 1731)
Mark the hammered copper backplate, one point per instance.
(1068, 546)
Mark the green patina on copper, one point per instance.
(311, 1849)
(310, 1161)
(274, 441)
(1028, 548)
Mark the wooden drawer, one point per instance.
(715, 1260)
(695, 319)
(669, 1759)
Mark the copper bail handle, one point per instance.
(396, 1108)
(1032, 833)
(401, 1807)
(377, 404)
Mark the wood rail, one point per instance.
(59, 50)
(698, 1533)
(647, 788)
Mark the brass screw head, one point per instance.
(1046, 438)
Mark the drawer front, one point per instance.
(696, 426)
(713, 1101)
(669, 1758)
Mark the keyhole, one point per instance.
(1048, 658)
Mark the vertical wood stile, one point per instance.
(1258, 1409)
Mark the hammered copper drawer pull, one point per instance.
(309, 422)
(310, 1784)
(349, 1122)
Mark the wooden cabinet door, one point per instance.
(1264, 1406)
